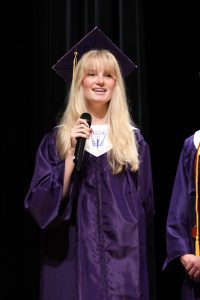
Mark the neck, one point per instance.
(99, 115)
(98, 120)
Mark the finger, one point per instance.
(73, 142)
(77, 132)
(82, 121)
(195, 277)
(189, 267)
(191, 271)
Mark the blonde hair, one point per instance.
(124, 152)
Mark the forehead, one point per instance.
(96, 63)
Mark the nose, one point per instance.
(100, 79)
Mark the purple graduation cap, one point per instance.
(95, 39)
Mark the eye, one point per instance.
(91, 73)
(108, 75)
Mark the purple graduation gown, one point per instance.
(181, 219)
(94, 246)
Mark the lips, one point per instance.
(99, 90)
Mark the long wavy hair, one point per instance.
(124, 152)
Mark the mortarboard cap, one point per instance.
(95, 39)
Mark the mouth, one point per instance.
(99, 90)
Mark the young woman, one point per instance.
(94, 220)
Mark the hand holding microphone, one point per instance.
(81, 135)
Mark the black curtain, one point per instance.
(161, 38)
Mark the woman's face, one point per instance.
(98, 85)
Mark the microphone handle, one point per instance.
(78, 156)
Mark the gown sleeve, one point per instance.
(43, 199)
(145, 181)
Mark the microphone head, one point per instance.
(86, 116)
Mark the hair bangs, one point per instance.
(99, 60)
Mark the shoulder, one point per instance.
(47, 146)
(196, 138)
(191, 142)
(189, 150)
(49, 138)
(138, 135)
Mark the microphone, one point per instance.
(79, 150)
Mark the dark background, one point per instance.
(161, 37)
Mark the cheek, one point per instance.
(112, 86)
(86, 83)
